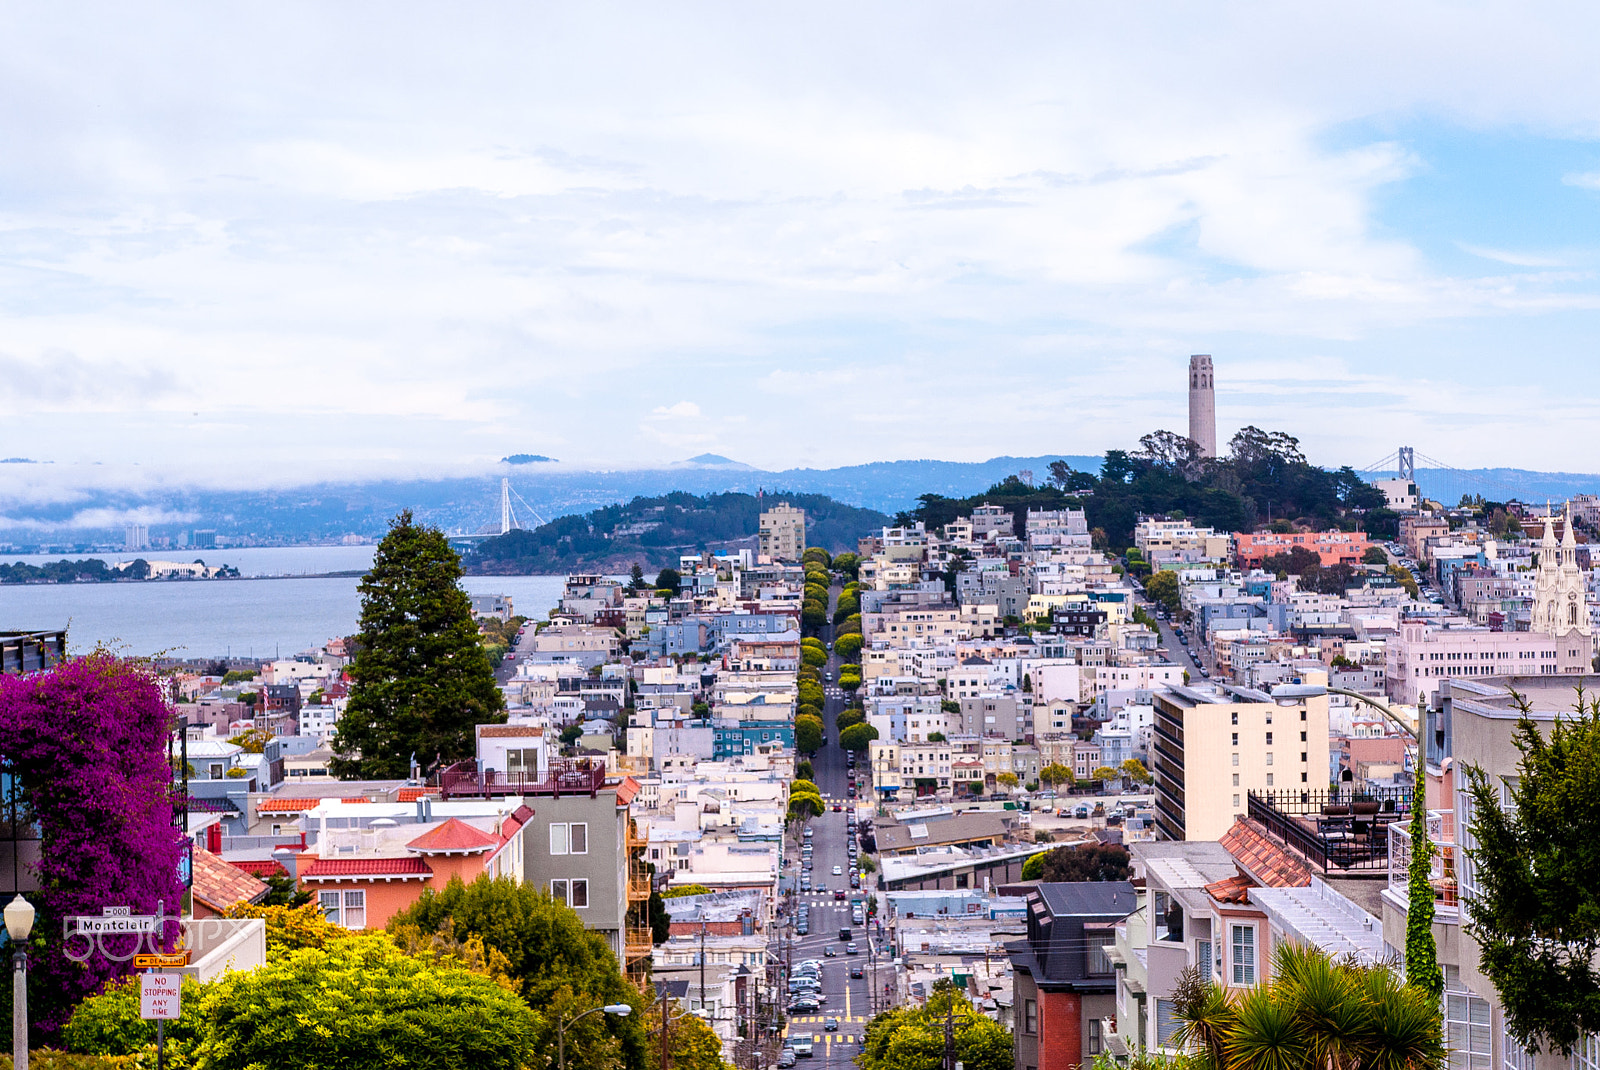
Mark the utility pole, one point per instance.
(702, 964)
(950, 1034)
(666, 1016)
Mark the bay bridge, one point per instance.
(510, 519)
(1447, 484)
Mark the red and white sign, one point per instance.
(160, 995)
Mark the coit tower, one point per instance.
(1202, 406)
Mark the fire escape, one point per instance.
(637, 936)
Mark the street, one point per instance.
(848, 999)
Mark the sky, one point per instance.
(294, 242)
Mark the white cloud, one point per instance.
(252, 241)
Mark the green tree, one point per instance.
(691, 1045)
(669, 579)
(1088, 862)
(636, 580)
(1422, 954)
(678, 891)
(375, 1007)
(849, 682)
(850, 716)
(815, 555)
(813, 656)
(1375, 555)
(912, 1038)
(1105, 773)
(1134, 770)
(803, 807)
(935, 737)
(1314, 1012)
(857, 737)
(1055, 773)
(552, 956)
(1536, 914)
(1163, 589)
(807, 735)
(1033, 868)
(848, 647)
(803, 769)
(1008, 780)
(805, 787)
(421, 678)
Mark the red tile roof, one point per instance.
(1271, 864)
(403, 868)
(261, 867)
(1231, 889)
(220, 884)
(454, 837)
(413, 794)
(626, 790)
(286, 806)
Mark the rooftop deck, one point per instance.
(1339, 832)
(566, 776)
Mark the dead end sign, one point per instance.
(160, 995)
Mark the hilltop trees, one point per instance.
(912, 1038)
(1165, 475)
(422, 679)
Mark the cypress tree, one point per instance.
(1422, 955)
(421, 677)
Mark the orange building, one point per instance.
(364, 877)
(1332, 547)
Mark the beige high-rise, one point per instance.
(783, 532)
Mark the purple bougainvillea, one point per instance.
(88, 742)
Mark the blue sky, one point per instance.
(373, 239)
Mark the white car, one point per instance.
(837, 871)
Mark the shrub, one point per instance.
(362, 1002)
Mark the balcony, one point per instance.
(1335, 831)
(638, 886)
(1442, 868)
(566, 776)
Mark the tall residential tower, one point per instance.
(1202, 406)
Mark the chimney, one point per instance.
(747, 924)
(288, 860)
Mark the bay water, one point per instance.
(283, 603)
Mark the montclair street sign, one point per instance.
(85, 934)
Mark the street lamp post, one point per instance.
(19, 923)
(1289, 694)
(621, 1010)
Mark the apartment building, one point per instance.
(1331, 547)
(1214, 744)
(1423, 654)
(783, 532)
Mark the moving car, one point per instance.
(837, 871)
(801, 1046)
(830, 952)
(831, 1025)
(851, 949)
(838, 893)
(855, 971)
(786, 1059)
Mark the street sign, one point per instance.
(160, 995)
(115, 924)
(158, 962)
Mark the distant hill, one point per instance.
(654, 532)
(76, 520)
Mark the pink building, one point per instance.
(1424, 653)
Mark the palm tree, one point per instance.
(1314, 1014)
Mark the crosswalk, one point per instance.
(819, 1019)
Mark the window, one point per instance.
(1166, 1022)
(1236, 802)
(1244, 955)
(1202, 958)
(1094, 1036)
(1236, 739)
(1466, 1025)
(522, 762)
(1235, 716)
(348, 908)
(1236, 780)
(1269, 780)
(216, 770)
(1099, 962)
(558, 891)
(1302, 737)
(569, 839)
(1269, 757)
(1269, 739)
(1236, 758)
(1030, 1017)
(580, 894)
